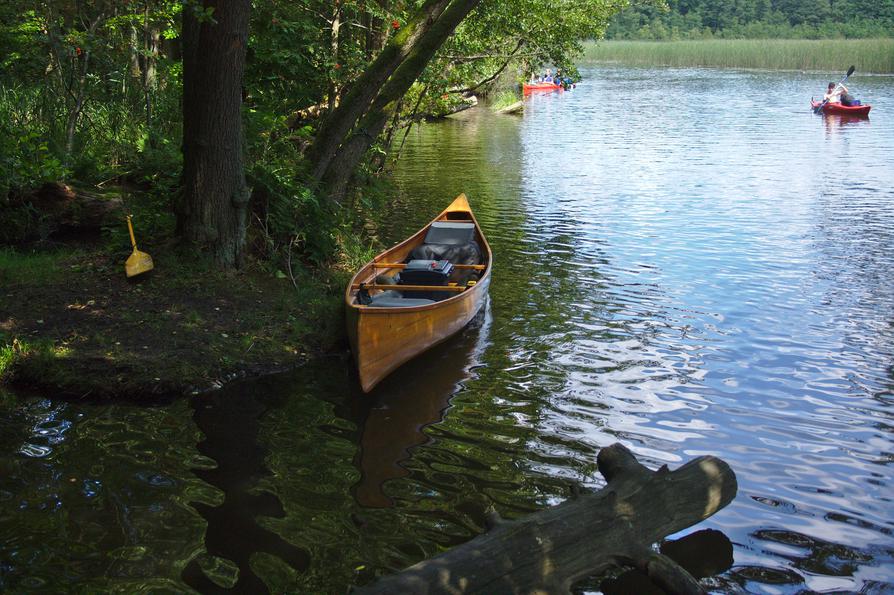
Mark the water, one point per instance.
(687, 261)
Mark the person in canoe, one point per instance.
(838, 93)
(548, 77)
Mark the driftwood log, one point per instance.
(515, 108)
(587, 535)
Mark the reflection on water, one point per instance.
(394, 416)
(702, 266)
(835, 122)
(230, 422)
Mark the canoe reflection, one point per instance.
(392, 418)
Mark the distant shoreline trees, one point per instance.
(754, 19)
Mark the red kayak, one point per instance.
(537, 87)
(844, 110)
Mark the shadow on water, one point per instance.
(393, 417)
(230, 421)
(390, 423)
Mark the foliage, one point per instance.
(83, 88)
(97, 92)
(27, 158)
(754, 19)
(283, 205)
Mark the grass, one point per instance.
(868, 55)
(38, 267)
(503, 99)
(40, 355)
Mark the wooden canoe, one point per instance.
(383, 338)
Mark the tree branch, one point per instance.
(499, 71)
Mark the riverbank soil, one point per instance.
(72, 323)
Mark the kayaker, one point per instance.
(838, 93)
(548, 77)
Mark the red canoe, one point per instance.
(537, 87)
(846, 110)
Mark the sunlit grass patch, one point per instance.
(40, 357)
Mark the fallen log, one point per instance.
(55, 210)
(515, 108)
(549, 551)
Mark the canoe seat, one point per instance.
(394, 299)
(446, 232)
(452, 241)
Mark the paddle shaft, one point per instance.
(133, 241)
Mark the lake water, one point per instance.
(688, 261)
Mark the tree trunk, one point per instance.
(152, 43)
(343, 163)
(549, 551)
(333, 49)
(211, 211)
(363, 91)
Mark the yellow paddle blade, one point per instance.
(138, 263)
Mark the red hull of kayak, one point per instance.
(537, 87)
(845, 110)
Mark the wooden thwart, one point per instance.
(453, 288)
(401, 265)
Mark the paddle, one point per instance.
(820, 107)
(138, 262)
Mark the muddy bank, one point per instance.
(72, 324)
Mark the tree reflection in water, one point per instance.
(230, 422)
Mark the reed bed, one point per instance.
(868, 55)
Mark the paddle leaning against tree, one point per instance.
(819, 108)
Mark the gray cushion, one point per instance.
(394, 299)
(445, 232)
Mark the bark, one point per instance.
(344, 162)
(149, 62)
(549, 551)
(211, 210)
(364, 90)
